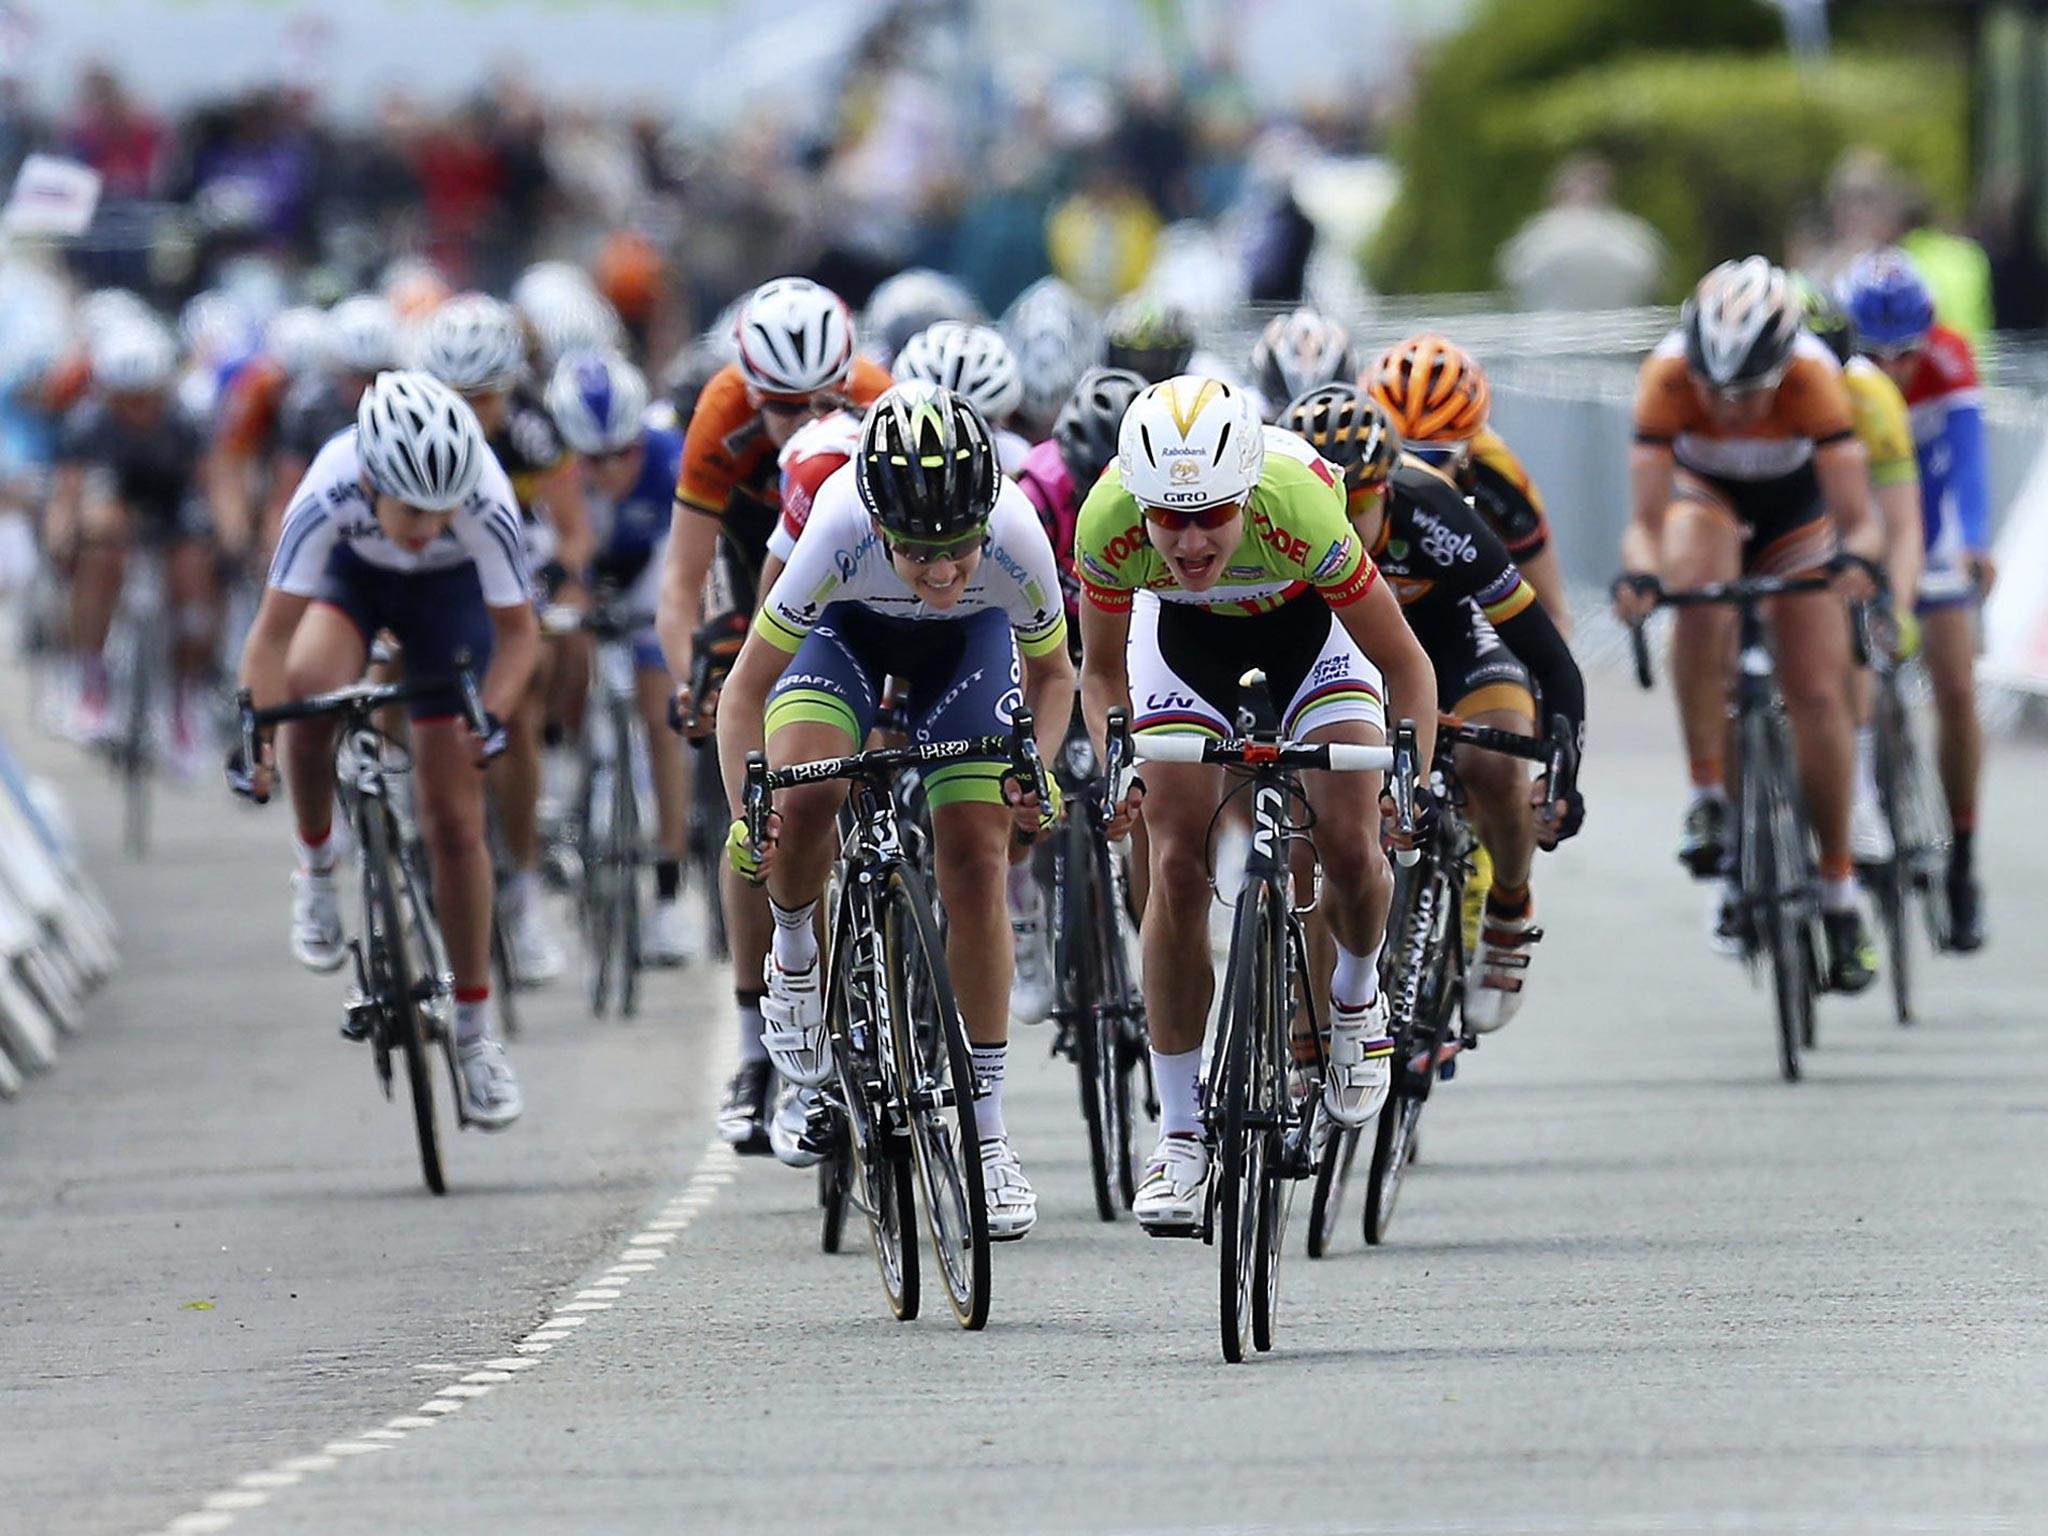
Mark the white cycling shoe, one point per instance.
(317, 940)
(1012, 1202)
(1170, 1196)
(490, 1093)
(1361, 1063)
(665, 934)
(1031, 984)
(793, 1023)
(790, 1133)
(537, 956)
(1500, 965)
(1870, 835)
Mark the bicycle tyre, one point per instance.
(1892, 882)
(1333, 1179)
(1764, 885)
(392, 971)
(1921, 834)
(935, 1070)
(626, 841)
(878, 1164)
(832, 1199)
(1240, 1178)
(1436, 1002)
(135, 749)
(503, 975)
(1082, 967)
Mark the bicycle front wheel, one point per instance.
(935, 1071)
(395, 971)
(626, 848)
(1770, 884)
(1243, 1182)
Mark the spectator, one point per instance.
(1102, 239)
(1582, 251)
(125, 144)
(1956, 268)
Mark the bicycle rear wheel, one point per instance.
(1333, 1180)
(1243, 1174)
(878, 1172)
(935, 1069)
(395, 970)
(137, 751)
(1425, 986)
(1093, 972)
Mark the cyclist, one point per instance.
(1216, 543)
(1893, 313)
(473, 344)
(404, 524)
(1886, 433)
(127, 471)
(1148, 337)
(361, 342)
(1056, 338)
(1055, 476)
(598, 400)
(1746, 462)
(1295, 353)
(1437, 397)
(793, 361)
(907, 302)
(1495, 650)
(973, 361)
(920, 562)
(247, 423)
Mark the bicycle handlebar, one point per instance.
(607, 621)
(1744, 592)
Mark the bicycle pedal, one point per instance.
(1174, 1231)
(359, 1020)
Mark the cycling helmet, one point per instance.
(970, 360)
(597, 399)
(1824, 317)
(133, 357)
(905, 304)
(546, 281)
(217, 328)
(1149, 337)
(105, 308)
(1055, 338)
(419, 441)
(414, 288)
(1349, 428)
(1298, 351)
(1431, 390)
(472, 343)
(926, 465)
(574, 320)
(362, 334)
(1087, 426)
(1191, 442)
(1740, 325)
(296, 339)
(1888, 301)
(794, 337)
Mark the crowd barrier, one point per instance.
(56, 937)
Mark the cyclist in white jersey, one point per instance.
(404, 523)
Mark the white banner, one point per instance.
(2016, 616)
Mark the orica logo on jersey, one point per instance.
(848, 560)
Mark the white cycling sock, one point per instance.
(520, 889)
(318, 858)
(751, 1048)
(991, 1065)
(1026, 900)
(472, 1019)
(1839, 895)
(1178, 1078)
(1356, 977)
(796, 941)
(1707, 792)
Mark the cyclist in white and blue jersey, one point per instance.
(403, 523)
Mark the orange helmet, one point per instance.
(1431, 388)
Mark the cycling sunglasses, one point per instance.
(1450, 456)
(1892, 352)
(811, 405)
(1214, 516)
(924, 552)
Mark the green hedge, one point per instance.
(1717, 151)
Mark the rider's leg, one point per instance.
(1812, 634)
(1497, 795)
(327, 651)
(192, 586)
(670, 762)
(1702, 544)
(451, 811)
(1949, 638)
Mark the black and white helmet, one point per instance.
(926, 466)
(362, 334)
(1056, 338)
(418, 441)
(1089, 422)
(473, 343)
(794, 337)
(1297, 352)
(971, 360)
(1741, 325)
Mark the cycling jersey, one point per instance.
(1469, 604)
(1296, 540)
(810, 458)
(314, 409)
(1809, 409)
(528, 447)
(841, 559)
(251, 407)
(1044, 479)
(1947, 411)
(632, 534)
(154, 473)
(1882, 425)
(1505, 495)
(331, 510)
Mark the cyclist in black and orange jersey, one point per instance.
(794, 362)
(1437, 397)
(1494, 648)
(1746, 463)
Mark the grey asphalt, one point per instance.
(1636, 1282)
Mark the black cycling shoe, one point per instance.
(1703, 848)
(1852, 959)
(743, 1117)
(1965, 913)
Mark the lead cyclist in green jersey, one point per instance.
(1215, 544)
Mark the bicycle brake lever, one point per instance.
(245, 717)
(754, 800)
(1116, 756)
(472, 696)
(1402, 787)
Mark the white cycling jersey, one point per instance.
(331, 507)
(839, 558)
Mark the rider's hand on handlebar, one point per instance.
(1125, 813)
(1635, 596)
(252, 782)
(1556, 820)
(492, 743)
(1033, 817)
(1425, 819)
(750, 863)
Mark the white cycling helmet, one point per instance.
(296, 339)
(473, 343)
(545, 281)
(1055, 338)
(597, 400)
(794, 337)
(575, 320)
(1298, 352)
(419, 441)
(1191, 442)
(1741, 325)
(362, 334)
(906, 303)
(105, 308)
(970, 360)
(217, 327)
(133, 357)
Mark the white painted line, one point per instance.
(438, 1368)
(613, 1277)
(199, 1524)
(559, 1321)
(646, 1239)
(463, 1389)
(490, 1376)
(508, 1363)
(267, 1479)
(642, 1255)
(386, 1435)
(304, 1464)
(636, 1267)
(585, 1306)
(440, 1405)
(351, 1447)
(411, 1421)
(602, 1293)
(236, 1498)
(535, 1346)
